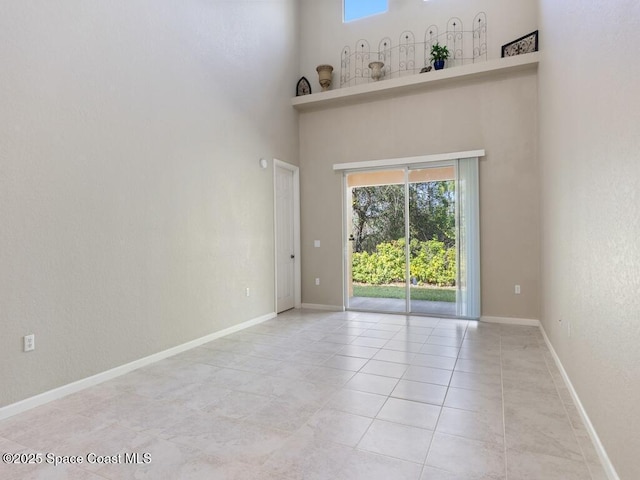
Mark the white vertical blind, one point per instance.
(468, 199)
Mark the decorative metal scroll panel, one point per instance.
(480, 36)
(407, 52)
(384, 55)
(465, 46)
(362, 59)
(455, 42)
(431, 37)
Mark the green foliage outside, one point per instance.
(379, 219)
(431, 263)
(378, 214)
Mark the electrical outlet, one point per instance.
(29, 342)
(517, 290)
(317, 281)
(248, 292)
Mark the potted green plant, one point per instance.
(439, 54)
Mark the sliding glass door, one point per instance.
(377, 262)
(412, 239)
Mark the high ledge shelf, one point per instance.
(422, 81)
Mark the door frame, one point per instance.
(407, 163)
(347, 216)
(296, 234)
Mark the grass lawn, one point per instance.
(417, 293)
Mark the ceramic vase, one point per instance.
(376, 70)
(324, 76)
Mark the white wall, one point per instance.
(133, 212)
(323, 34)
(589, 151)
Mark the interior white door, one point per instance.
(285, 245)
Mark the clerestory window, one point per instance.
(356, 9)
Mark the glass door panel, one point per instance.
(433, 240)
(376, 263)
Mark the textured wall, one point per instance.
(589, 144)
(133, 212)
(497, 114)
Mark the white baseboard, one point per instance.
(318, 306)
(528, 322)
(63, 391)
(602, 453)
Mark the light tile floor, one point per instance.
(317, 395)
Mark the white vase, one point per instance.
(376, 70)
(324, 76)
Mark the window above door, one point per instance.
(357, 9)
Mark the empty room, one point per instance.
(335, 239)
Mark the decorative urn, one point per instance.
(376, 70)
(324, 76)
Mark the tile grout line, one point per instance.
(435, 427)
(504, 417)
(424, 464)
